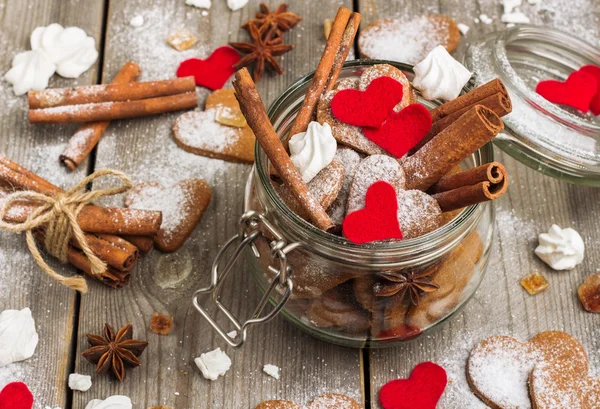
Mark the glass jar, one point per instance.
(326, 284)
(556, 140)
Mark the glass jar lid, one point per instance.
(556, 140)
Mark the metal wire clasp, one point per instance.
(253, 225)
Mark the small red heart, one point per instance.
(16, 395)
(594, 71)
(402, 130)
(213, 72)
(369, 107)
(577, 91)
(379, 218)
(422, 390)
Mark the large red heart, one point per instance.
(402, 130)
(422, 390)
(16, 395)
(213, 72)
(379, 218)
(595, 72)
(577, 91)
(369, 107)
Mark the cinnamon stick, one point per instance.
(108, 111)
(144, 244)
(346, 45)
(493, 172)
(102, 220)
(468, 133)
(323, 72)
(22, 178)
(111, 277)
(256, 115)
(111, 253)
(469, 99)
(469, 195)
(119, 91)
(85, 139)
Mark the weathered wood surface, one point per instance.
(22, 283)
(145, 150)
(532, 204)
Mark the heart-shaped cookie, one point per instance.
(350, 160)
(329, 401)
(498, 367)
(324, 187)
(418, 213)
(351, 135)
(577, 91)
(408, 41)
(378, 220)
(373, 169)
(278, 404)
(182, 206)
(198, 132)
(557, 385)
(227, 107)
(402, 130)
(213, 72)
(369, 107)
(422, 390)
(594, 71)
(16, 395)
(337, 309)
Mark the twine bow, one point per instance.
(57, 215)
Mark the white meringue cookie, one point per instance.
(561, 249)
(313, 150)
(439, 76)
(30, 70)
(71, 49)
(112, 402)
(18, 337)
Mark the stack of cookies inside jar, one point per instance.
(373, 164)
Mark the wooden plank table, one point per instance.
(145, 150)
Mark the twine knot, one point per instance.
(56, 220)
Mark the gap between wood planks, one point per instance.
(91, 167)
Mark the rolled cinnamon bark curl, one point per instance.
(338, 46)
(493, 172)
(85, 139)
(122, 91)
(471, 131)
(108, 111)
(256, 115)
(469, 195)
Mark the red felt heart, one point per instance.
(402, 130)
(594, 71)
(213, 72)
(379, 218)
(16, 395)
(577, 91)
(369, 107)
(422, 390)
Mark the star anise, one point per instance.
(114, 351)
(261, 52)
(413, 283)
(283, 19)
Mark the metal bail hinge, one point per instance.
(249, 231)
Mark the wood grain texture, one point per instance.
(532, 204)
(146, 151)
(22, 283)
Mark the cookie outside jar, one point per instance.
(343, 292)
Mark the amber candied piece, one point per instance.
(230, 117)
(589, 293)
(181, 40)
(161, 323)
(534, 283)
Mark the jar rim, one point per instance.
(456, 229)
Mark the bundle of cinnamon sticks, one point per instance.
(115, 235)
(96, 105)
